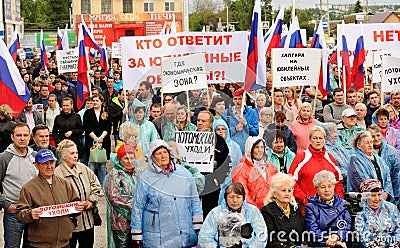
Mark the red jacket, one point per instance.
(255, 185)
(304, 167)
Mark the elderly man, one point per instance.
(41, 137)
(395, 99)
(165, 123)
(347, 129)
(46, 189)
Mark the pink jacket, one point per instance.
(300, 131)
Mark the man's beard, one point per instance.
(42, 146)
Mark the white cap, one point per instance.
(348, 112)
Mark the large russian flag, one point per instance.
(14, 45)
(319, 42)
(357, 74)
(82, 85)
(88, 38)
(13, 90)
(346, 63)
(273, 37)
(255, 69)
(104, 59)
(43, 55)
(293, 39)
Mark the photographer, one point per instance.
(326, 227)
(234, 223)
(379, 222)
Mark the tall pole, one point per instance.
(294, 9)
(227, 17)
(329, 29)
(185, 15)
(320, 9)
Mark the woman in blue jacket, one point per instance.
(166, 208)
(379, 222)
(326, 218)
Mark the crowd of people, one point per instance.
(284, 161)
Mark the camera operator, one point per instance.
(326, 227)
(379, 222)
(234, 223)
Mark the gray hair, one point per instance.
(374, 127)
(322, 176)
(316, 129)
(362, 105)
(266, 110)
(359, 136)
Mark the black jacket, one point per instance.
(115, 113)
(280, 227)
(6, 127)
(68, 122)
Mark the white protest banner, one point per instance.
(376, 68)
(196, 149)
(39, 108)
(116, 50)
(390, 74)
(377, 36)
(59, 210)
(182, 73)
(295, 66)
(67, 61)
(225, 55)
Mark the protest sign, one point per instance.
(225, 55)
(390, 74)
(295, 66)
(196, 149)
(39, 108)
(377, 36)
(67, 61)
(376, 68)
(116, 50)
(184, 73)
(59, 210)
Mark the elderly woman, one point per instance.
(392, 135)
(129, 133)
(264, 119)
(366, 164)
(119, 188)
(166, 208)
(254, 172)
(333, 147)
(326, 216)
(302, 125)
(88, 187)
(282, 214)
(182, 119)
(278, 153)
(6, 126)
(218, 229)
(379, 222)
(311, 161)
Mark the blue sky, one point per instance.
(311, 3)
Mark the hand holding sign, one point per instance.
(36, 212)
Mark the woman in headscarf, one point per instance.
(119, 188)
(254, 172)
(147, 130)
(166, 208)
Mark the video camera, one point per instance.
(232, 228)
(354, 201)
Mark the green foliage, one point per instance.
(357, 7)
(48, 14)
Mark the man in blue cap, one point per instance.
(42, 192)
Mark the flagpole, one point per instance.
(272, 87)
(316, 87)
(381, 81)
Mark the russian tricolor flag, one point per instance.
(273, 37)
(293, 39)
(255, 69)
(346, 63)
(357, 74)
(14, 45)
(82, 85)
(65, 40)
(13, 90)
(88, 38)
(319, 42)
(43, 54)
(104, 59)
(59, 39)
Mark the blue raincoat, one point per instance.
(166, 207)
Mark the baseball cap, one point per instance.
(348, 112)
(44, 76)
(44, 155)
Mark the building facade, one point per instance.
(10, 19)
(112, 19)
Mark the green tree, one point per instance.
(48, 14)
(357, 7)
